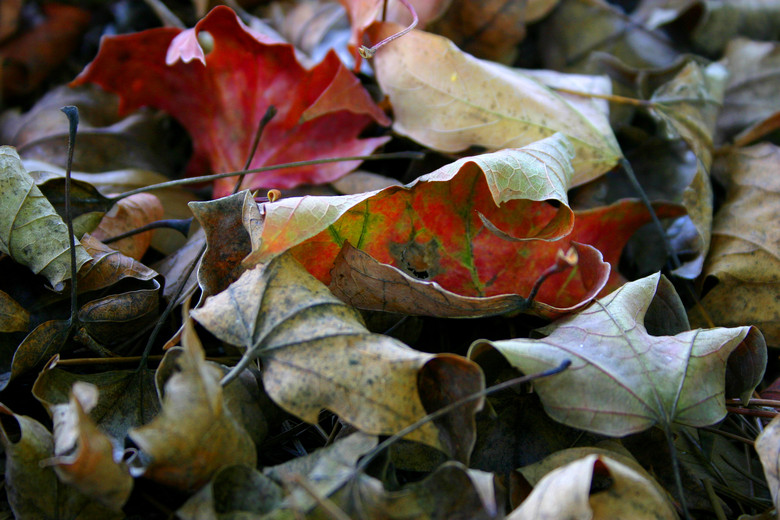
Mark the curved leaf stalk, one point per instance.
(368, 52)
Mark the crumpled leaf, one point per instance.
(30, 230)
(641, 365)
(449, 101)
(195, 434)
(316, 354)
(566, 493)
(688, 105)
(320, 112)
(745, 253)
(108, 267)
(752, 90)
(85, 457)
(33, 490)
(43, 342)
(126, 398)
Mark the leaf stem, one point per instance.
(181, 225)
(623, 100)
(297, 164)
(72, 113)
(368, 52)
(676, 469)
(563, 261)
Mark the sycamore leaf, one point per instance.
(31, 232)
(84, 456)
(221, 97)
(449, 101)
(745, 253)
(195, 434)
(566, 493)
(636, 375)
(316, 353)
(33, 489)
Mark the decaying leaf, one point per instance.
(84, 456)
(195, 434)
(567, 492)
(641, 365)
(33, 489)
(745, 253)
(320, 112)
(30, 230)
(108, 267)
(316, 353)
(128, 214)
(449, 101)
(13, 317)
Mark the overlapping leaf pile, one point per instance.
(274, 394)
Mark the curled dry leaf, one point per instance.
(320, 112)
(31, 232)
(128, 214)
(636, 374)
(449, 101)
(566, 493)
(33, 489)
(745, 253)
(195, 434)
(84, 456)
(316, 353)
(108, 267)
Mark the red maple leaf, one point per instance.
(220, 97)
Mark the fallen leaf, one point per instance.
(85, 457)
(688, 106)
(30, 57)
(566, 493)
(744, 257)
(33, 490)
(30, 230)
(320, 112)
(195, 434)
(108, 267)
(316, 354)
(126, 398)
(43, 342)
(128, 214)
(362, 282)
(228, 241)
(449, 101)
(636, 374)
(768, 449)
(751, 91)
(435, 227)
(13, 317)
(601, 28)
(489, 30)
